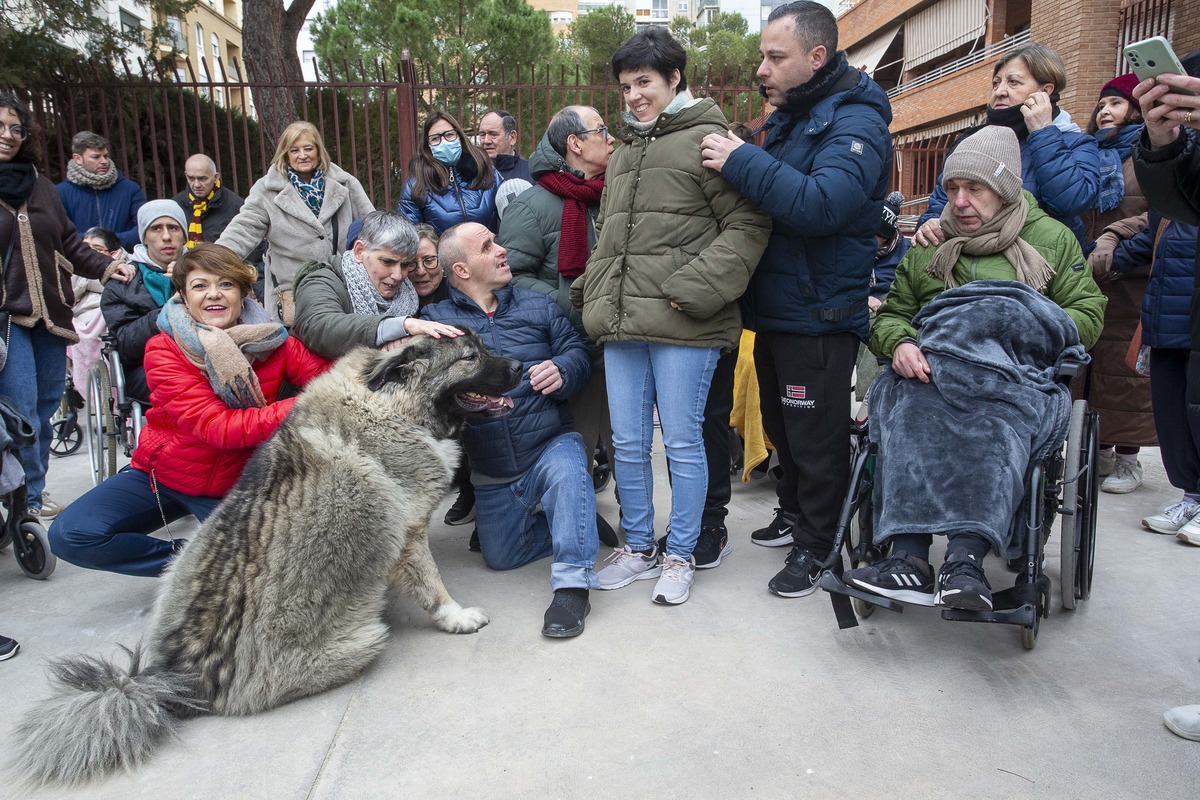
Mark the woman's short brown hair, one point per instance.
(1044, 64)
(288, 138)
(217, 259)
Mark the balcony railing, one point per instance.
(1010, 43)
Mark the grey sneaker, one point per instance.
(1173, 517)
(626, 567)
(49, 509)
(1124, 479)
(1184, 721)
(1106, 462)
(676, 581)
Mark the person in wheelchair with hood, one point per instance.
(976, 333)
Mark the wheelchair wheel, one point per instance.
(33, 553)
(860, 537)
(68, 437)
(101, 426)
(1078, 526)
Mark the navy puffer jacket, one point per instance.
(114, 208)
(821, 174)
(1060, 167)
(454, 205)
(529, 327)
(1168, 297)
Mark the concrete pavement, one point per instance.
(734, 694)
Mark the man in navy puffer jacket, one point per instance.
(533, 483)
(822, 174)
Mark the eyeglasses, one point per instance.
(428, 264)
(602, 130)
(17, 131)
(436, 138)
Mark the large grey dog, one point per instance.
(281, 593)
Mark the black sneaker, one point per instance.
(778, 533)
(712, 546)
(799, 576)
(564, 617)
(962, 584)
(8, 648)
(899, 577)
(608, 536)
(463, 510)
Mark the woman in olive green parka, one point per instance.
(676, 249)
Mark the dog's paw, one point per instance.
(453, 618)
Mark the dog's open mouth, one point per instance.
(490, 405)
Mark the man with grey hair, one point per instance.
(533, 493)
(549, 232)
(498, 138)
(94, 193)
(363, 296)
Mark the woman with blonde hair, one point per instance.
(303, 207)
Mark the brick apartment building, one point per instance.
(935, 58)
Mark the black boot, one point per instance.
(564, 617)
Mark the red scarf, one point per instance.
(577, 195)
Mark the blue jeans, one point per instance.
(676, 378)
(108, 528)
(33, 378)
(550, 510)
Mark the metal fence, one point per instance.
(369, 114)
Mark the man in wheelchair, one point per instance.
(975, 328)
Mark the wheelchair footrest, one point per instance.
(1022, 615)
(832, 583)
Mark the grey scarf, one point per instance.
(1001, 234)
(366, 299)
(79, 176)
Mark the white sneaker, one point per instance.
(1124, 479)
(1106, 462)
(1190, 531)
(1184, 721)
(627, 567)
(675, 583)
(1173, 517)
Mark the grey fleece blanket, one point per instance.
(953, 452)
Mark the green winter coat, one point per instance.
(1072, 287)
(685, 235)
(325, 318)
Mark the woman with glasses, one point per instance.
(364, 297)
(303, 207)
(451, 180)
(35, 317)
(427, 276)
(660, 292)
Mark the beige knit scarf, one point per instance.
(1001, 234)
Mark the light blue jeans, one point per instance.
(33, 378)
(550, 510)
(676, 378)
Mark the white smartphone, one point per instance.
(1153, 57)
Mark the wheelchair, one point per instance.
(1061, 486)
(114, 420)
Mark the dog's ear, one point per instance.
(399, 366)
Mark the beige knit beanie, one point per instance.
(990, 156)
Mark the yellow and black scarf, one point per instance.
(195, 228)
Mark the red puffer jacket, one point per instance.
(193, 442)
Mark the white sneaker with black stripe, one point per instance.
(899, 577)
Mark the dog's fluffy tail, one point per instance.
(101, 717)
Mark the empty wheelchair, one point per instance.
(1061, 487)
(114, 420)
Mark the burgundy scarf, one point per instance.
(577, 195)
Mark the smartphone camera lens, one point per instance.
(1150, 64)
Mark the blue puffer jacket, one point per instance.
(114, 208)
(529, 327)
(1060, 167)
(1168, 297)
(456, 204)
(821, 175)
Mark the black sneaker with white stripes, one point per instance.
(900, 577)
